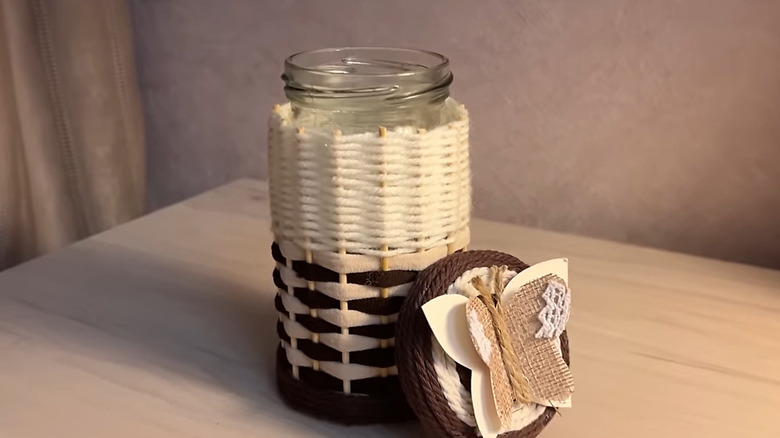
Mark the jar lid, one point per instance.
(481, 345)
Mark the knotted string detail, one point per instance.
(490, 295)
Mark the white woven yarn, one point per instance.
(381, 193)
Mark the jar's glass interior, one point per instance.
(358, 88)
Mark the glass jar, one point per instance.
(357, 89)
(369, 179)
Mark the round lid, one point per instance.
(440, 389)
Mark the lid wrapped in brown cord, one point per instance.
(529, 323)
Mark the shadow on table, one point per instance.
(145, 311)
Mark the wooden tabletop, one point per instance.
(165, 327)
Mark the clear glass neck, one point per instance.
(358, 89)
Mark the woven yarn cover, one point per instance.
(355, 218)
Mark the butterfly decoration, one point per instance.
(508, 336)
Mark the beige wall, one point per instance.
(654, 122)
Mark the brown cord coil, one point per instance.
(414, 351)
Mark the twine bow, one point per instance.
(490, 295)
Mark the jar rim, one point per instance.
(360, 76)
(397, 61)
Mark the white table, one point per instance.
(165, 327)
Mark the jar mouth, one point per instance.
(385, 72)
(367, 61)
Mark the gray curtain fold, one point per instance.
(71, 135)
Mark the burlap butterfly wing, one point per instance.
(484, 338)
(536, 306)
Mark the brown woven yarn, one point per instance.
(304, 383)
(414, 352)
(350, 409)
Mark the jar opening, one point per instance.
(391, 74)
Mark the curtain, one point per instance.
(71, 135)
